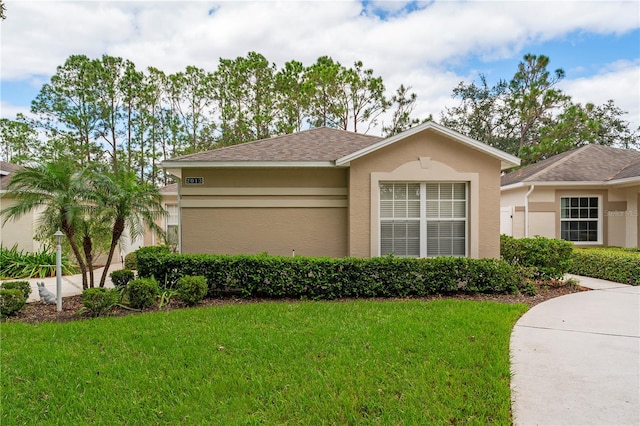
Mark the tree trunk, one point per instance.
(87, 246)
(118, 229)
(69, 232)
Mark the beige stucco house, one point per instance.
(17, 232)
(428, 191)
(589, 195)
(21, 231)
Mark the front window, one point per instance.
(423, 219)
(172, 225)
(580, 219)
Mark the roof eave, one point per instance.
(244, 164)
(507, 161)
(616, 182)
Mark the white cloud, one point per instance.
(7, 110)
(619, 81)
(418, 48)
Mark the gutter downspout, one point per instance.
(526, 211)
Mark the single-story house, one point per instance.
(589, 195)
(21, 232)
(425, 192)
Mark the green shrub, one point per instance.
(148, 257)
(191, 289)
(11, 301)
(607, 263)
(121, 278)
(550, 257)
(142, 292)
(100, 300)
(327, 278)
(131, 261)
(24, 286)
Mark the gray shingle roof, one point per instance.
(318, 144)
(5, 176)
(169, 189)
(590, 163)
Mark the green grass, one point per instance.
(356, 362)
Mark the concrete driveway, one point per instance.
(576, 358)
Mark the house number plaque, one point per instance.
(193, 180)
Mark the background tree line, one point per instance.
(105, 110)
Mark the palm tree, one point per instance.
(59, 188)
(128, 204)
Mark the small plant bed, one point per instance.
(72, 307)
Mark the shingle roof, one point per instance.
(590, 163)
(169, 189)
(5, 173)
(318, 144)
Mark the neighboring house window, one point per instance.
(580, 219)
(423, 219)
(172, 224)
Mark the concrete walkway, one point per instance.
(71, 284)
(575, 359)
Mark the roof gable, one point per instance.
(590, 163)
(507, 161)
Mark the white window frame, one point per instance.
(600, 221)
(173, 219)
(423, 219)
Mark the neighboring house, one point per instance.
(588, 195)
(21, 232)
(168, 223)
(16, 232)
(428, 191)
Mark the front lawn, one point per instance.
(355, 362)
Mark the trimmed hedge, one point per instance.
(24, 286)
(550, 258)
(121, 278)
(11, 301)
(608, 263)
(192, 289)
(100, 300)
(142, 292)
(328, 278)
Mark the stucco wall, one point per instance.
(252, 211)
(619, 209)
(19, 231)
(484, 214)
(278, 231)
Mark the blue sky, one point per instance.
(430, 46)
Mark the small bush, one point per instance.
(192, 289)
(121, 278)
(11, 301)
(131, 261)
(148, 257)
(607, 263)
(24, 286)
(550, 257)
(100, 300)
(142, 292)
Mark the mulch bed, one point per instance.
(72, 306)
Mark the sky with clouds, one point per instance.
(430, 46)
